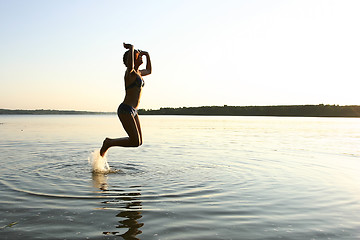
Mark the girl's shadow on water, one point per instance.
(128, 202)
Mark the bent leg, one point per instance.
(137, 120)
(129, 123)
(131, 128)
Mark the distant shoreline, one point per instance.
(320, 110)
(49, 112)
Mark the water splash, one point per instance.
(99, 164)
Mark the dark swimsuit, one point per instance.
(139, 82)
(124, 108)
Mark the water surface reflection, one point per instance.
(129, 203)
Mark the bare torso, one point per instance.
(132, 95)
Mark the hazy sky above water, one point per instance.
(68, 54)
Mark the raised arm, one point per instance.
(130, 60)
(148, 69)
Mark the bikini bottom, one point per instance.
(124, 108)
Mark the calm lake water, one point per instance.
(193, 178)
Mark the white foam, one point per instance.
(98, 163)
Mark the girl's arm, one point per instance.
(148, 69)
(130, 63)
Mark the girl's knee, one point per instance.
(135, 143)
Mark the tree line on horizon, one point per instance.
(47, 112)
(320, 110)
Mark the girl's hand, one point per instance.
(142, 53)
(128, 46)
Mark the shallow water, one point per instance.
(193, 178)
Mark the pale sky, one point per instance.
(68, 54)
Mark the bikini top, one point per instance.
(139, 82)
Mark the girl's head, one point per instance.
(137, 57)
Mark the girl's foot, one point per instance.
(105, 147)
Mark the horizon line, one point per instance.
(149, 109)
